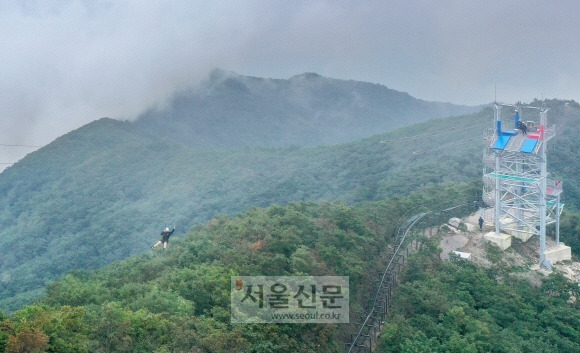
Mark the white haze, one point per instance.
(64, 63)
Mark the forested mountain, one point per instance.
(178, 300)
(103, 192)
(230, 110)
(459, 307)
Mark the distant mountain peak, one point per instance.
(230, 111)
(221, 74)
(307, 76)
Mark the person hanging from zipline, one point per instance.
(164, 238)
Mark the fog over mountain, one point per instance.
(66, 63)
(100, 193)
(231, 111)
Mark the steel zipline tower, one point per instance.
(515, 176)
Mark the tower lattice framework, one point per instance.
(515, 175)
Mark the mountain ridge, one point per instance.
(231, 111)
(102, 192)
(105, 191)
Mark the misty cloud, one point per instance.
(68, 62)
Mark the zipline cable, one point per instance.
(436, 132)
(13, 145)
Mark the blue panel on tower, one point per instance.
(501, 142)
(529, 146)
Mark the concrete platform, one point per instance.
(463, 255)
(504, 241)
(559, 253)
(521, 235)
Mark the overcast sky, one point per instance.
(64, 63)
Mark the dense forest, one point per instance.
(178, 300)
(103, 192)
(459, 307)
(106, 191)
